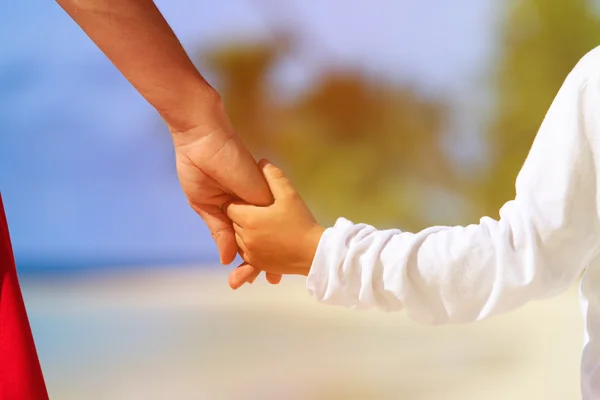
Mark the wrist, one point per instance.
(199, 114)
(313, 239)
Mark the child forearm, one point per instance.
(541, 244)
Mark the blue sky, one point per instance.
(86, 167)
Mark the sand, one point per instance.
(181, 333)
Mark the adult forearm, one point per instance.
(136, 38)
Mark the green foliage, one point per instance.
(371, 151)
(354, 147)
(541, 42)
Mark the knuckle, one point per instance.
(294, 195)
(250, 243)
(237, 230)
(276, 173)
(221, 231)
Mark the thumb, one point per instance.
(280, 185)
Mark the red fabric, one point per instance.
(20, 372)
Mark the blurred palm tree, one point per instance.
(372, 151)
(353, 146)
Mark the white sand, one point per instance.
(183, 334)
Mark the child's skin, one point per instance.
(281, 238)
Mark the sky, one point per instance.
(86, 166)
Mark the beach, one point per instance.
(181, 333)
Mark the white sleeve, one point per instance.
(544, 239)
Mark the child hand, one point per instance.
(281, 238)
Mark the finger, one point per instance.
(273, 279)
(253, 277)
(221, 230)
(235, 169)
(240, 213)
(280, 185)
(243, 250)
(241, 275)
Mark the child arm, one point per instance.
(543, 240)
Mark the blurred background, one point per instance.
(398, 113)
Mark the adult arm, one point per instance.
(136, 38)
(213, 165)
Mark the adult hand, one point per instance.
(215, 168)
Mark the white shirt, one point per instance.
(545, 238)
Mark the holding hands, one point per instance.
(213, 165)
(281, 238)
(215, 168)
